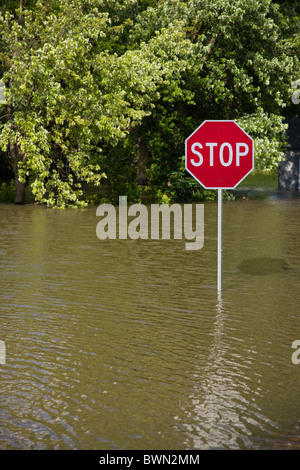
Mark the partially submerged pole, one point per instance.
(220, 216)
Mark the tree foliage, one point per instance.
(241, 68)
(110, 89)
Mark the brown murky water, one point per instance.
(125, 344)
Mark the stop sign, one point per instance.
(219, 154)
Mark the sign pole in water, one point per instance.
(219, 155)
(220, 223)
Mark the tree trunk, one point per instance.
(20, 187)
(20, 192)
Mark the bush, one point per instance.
(184, 188)
(7, 192)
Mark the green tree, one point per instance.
(67, 96)
(244, 58)
(107, 88)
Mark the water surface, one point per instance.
(125, 344)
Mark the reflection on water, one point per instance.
(223, 409)
(125, 344)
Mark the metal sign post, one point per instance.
(220, 217)
(219, 155)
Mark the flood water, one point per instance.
(125, 344)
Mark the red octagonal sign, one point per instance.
(219, 154)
